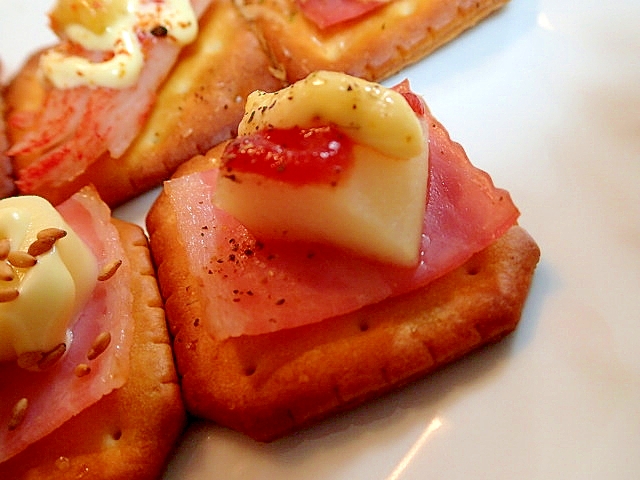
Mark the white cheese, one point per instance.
(377, 208)
(50, 292)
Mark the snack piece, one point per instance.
(368, 39)
(107, 404)
(127, 142)
(364, 192)
(271, 335)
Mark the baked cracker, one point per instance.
(269, 385)
(373, 46)
(129, 433)
(198, 106)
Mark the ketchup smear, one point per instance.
(298, 156)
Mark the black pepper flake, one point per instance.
(159, 31)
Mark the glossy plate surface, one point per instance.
(545, 96)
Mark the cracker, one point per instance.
(269, 385)
(243, 46)
(129, 433)
(373, 46)
(199, 105)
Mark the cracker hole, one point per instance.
(364, 326)
(111, 438)
(473, 270)
(250, 370)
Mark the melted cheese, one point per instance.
(51, 292)
(367, 112)
(377, 209)
(112, 31)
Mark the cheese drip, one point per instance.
(111, 30)
(51, 292)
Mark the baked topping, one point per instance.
(369, 113)
(372, 204)
(47, 274)
(102, 40)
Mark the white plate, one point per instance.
(546, 97)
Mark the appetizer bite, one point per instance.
(372, 39)
(341, 246)
(89, 389)
(134, 88)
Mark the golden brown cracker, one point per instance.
(129, 433)
(373, 46)
(268, 385)
(199, 105)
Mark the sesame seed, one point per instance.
(8, 294)
(18, 413)
(82, 369)
(52, 233)
(109, 270)
(21, 259)
(6, 272)
(38, 247)
(52, 356)
(99, 345)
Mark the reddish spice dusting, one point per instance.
(297, 156)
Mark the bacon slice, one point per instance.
(253, 287)
(56, 394)
(327, 13)
(77, 126)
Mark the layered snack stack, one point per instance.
(318, 240)
(333, 251)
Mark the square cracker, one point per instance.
(199, 105)
(269, 385)
(373, 46)
(129, 433)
